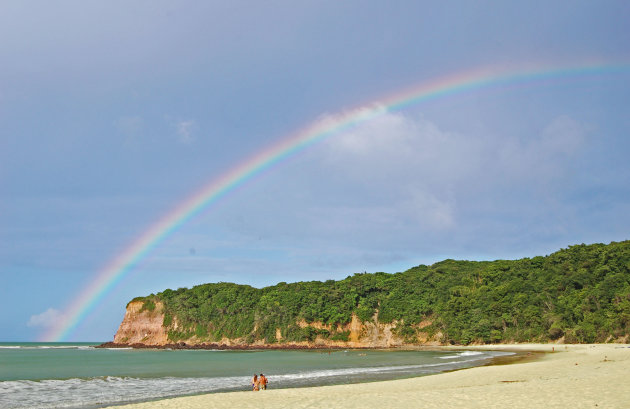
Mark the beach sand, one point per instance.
(574, 376)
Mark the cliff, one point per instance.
(143, 325)
(576, 295)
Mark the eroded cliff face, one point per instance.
(143, 326)
(372, 334)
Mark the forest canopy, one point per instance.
(580, 294)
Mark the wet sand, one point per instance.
(573, 376)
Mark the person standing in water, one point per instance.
(263, 382)
(255, 382)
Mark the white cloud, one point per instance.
(393, 145)
(185, 131)
(408, 175)
(407, 152)
(46, 319)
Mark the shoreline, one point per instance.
(314, 347)
(583, 375)
(225, 347)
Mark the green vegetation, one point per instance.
(581, 293)
(148, 305)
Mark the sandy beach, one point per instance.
(573, 376)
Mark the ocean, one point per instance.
(77, 375)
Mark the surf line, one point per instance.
(468, 81)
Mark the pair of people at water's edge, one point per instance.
(259, 382)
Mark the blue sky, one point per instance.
(112, 113)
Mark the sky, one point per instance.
(114, 113)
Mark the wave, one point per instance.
(466, 353)
(76, 392)
(329, 373)
(46, 347)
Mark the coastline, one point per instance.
(576, 376)
(234, 347)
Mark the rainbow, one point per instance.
(121, 265)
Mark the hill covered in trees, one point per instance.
(577, 295)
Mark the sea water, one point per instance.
(77, 375)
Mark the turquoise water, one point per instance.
(78, 375)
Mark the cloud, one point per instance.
(401, 180)
(392, 144)
(46, 319)
(398, 178)
(415, 154)
(185, 131)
